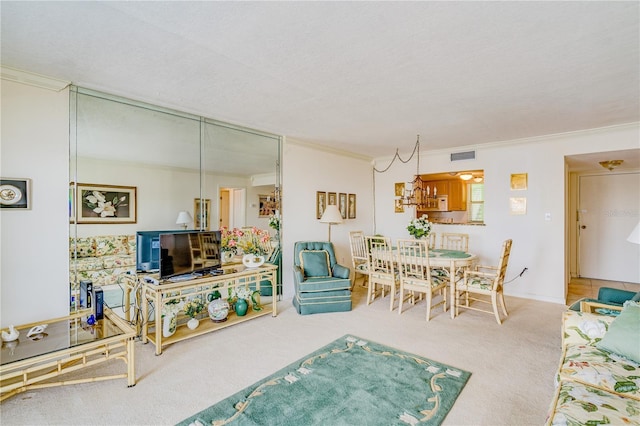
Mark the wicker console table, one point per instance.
(67, 344)
(157, 295)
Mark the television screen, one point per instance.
(190, 252)
(148, 250)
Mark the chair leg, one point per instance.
(370, 292)
(392, 290)
(401, 300)
(494, 302)
(429, 300)
(504, 307)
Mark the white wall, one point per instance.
(34, 258)
(306, 170)
(537, 244)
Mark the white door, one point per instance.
(608, 211)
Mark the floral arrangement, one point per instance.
(193, 307)
(241, 292)
(254, 242)
(274, 222)
(229, 239)
(98, 203)
(419, 227)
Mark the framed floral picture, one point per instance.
(321, 203)
(342, 205)
(267, 205)
(105, 203)
(351, 208)
(202, 214)
(331, 199)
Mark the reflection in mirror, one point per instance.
(177, 162)
(453, 197)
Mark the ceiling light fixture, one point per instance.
(478, 179)
(611, 164)
(466, 176)
(417, 195)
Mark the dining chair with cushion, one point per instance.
(454, 241)
(359, 259)
(415, 275)
(484, 284)
(382, 271)
(432, 240)
(320, 283)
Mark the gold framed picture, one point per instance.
(321, 203)
(342, 204)
(105, 203)
(332, 199)
(518, 181)
(351, 210)
(202, 214)
(399, 189)
(399, 207)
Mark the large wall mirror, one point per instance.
(155, 163)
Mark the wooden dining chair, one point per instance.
(484, 284)
(415, 275)
(454, 241)
(382, 271)
(359, 259)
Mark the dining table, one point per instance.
(451, 260)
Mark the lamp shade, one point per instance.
(184, 218)
(634, 236)
(331, 215)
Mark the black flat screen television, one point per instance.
(148, 249)
(189, 253)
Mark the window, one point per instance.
(476, 202)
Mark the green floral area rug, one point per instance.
(351, 381)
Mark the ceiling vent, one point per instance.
(468, 155)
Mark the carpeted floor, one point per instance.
(351, 381)
(513, 365)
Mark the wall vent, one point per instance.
(468, 155)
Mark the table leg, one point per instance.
(452, 284)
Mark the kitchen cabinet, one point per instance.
(454, 189)
(457, 195)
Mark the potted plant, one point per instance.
(419, 227)
(192, 308)
(229, 242)
(254, 246)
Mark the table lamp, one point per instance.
(331, 216)
(184, 219)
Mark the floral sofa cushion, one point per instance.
(112, 244)
(581, 328)
(578, 404)
(599, 368)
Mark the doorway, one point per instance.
(232, 208)
(607, 212)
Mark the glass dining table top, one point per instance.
(60, 334)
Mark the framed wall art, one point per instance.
(518, 181)
(342, 204)
(398, 206)
(332, 199)
(105, 203)
(321, 203)
(518, 205)
(399, 189)
(351, 209)
(202, 213)
(267, 205)
(15, 193)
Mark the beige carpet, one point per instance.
(512, 365)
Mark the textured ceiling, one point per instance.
(364, 77)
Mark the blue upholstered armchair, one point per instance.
(609, 301)
(321, 284)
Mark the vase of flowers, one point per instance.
(242, 295)
(192, 308)
(254, 246)
(274, 223)
(419, 227)
(229, 242)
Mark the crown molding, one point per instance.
(32, 79)
(324, 148)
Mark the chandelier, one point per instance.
(416, 196)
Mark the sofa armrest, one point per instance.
(614, 295)
(298, 275)
(590, 306)
(340, 271)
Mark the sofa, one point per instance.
(105, 260)
(598, 379)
